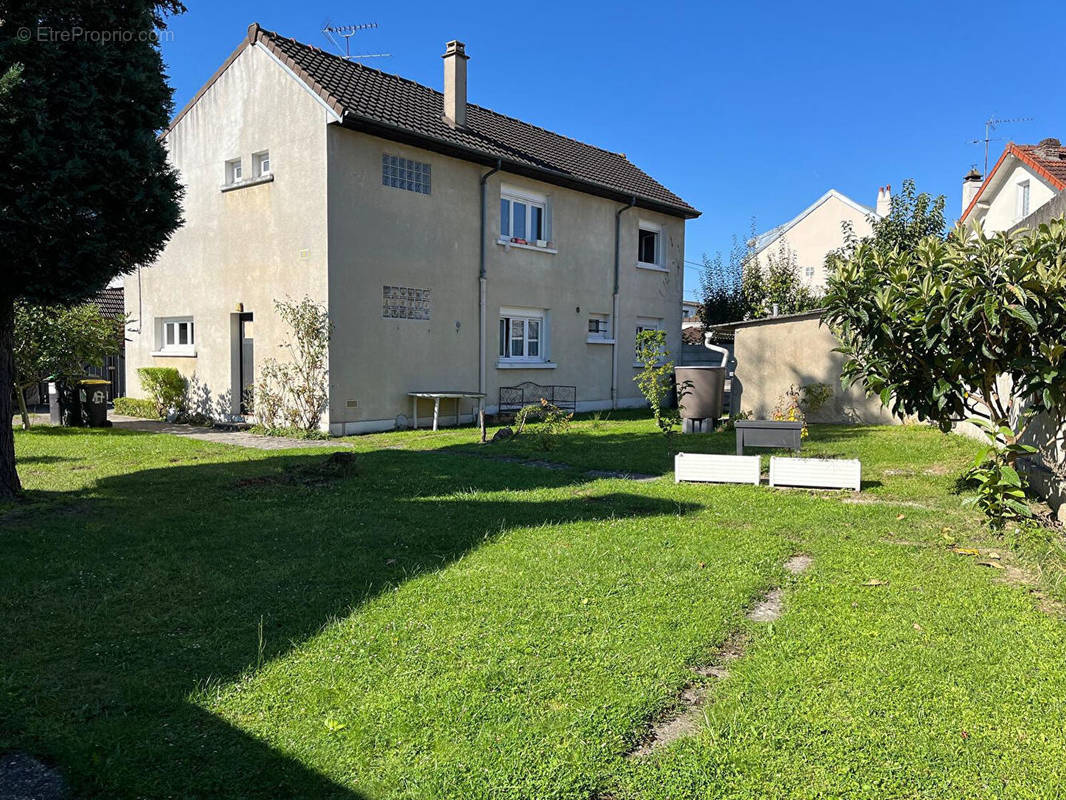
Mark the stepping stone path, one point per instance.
(685, 717)
(23, 777)
(235, 438)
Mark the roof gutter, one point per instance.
(615, 299)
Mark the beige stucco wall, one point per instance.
(771, 356)
(249, 245)
(1002, 212)
(816, 235)
(380, 235)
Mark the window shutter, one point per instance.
(548, 220)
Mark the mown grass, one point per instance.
(186, 619)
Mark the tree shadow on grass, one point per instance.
(157, 584)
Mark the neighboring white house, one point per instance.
(690, 314)
(455, 248)
(818, 230)
(1025, 178)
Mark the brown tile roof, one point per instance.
(1047, 159)
(110, 301)
(400, 109)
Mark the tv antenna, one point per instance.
(346, 32)
(990, 125)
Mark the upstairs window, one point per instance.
(403, 173)
(524, 217)
(234, 171)
(261, 164)
(1022, 209)
(809, 272)
(649, 245)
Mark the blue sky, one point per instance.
(744, 109)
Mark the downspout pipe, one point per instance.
(482, 278)
(614, 297)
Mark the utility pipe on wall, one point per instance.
(614, 298)
(482, 277)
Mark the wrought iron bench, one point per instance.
(515, 398)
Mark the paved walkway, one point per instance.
(203, 434)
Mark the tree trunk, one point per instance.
(10, 488)
(20, 395)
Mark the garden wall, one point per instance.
(774, 354)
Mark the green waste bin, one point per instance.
(92, 392)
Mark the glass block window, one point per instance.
(403, 173)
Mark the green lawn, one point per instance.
(182, 619)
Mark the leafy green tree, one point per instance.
(968, 326)
(655, 379)
(60, 341)
(86, 192)
(913, 216)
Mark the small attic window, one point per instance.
(234, 171)
(261, 164)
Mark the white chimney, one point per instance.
(884, 201)
(455, 58)
(971, 185)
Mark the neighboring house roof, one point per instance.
(399, 109)
(1047, 159)
(692, 334)
(764, 240)
(110, 301)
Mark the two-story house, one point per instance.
(818, 230)
(455, 248)
(1024, 178)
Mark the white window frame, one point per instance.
(234, 171)
(168, 336)
(1021, 207)
(809, 272)
(508, 316)
(651, 227)
(529, 200)
(258, 161)
(645, 324)
(604, 336)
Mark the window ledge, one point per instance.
(229, 187)
(595, 340)
(507, 244)
(525, 364)
(652, 267)
(173, 354)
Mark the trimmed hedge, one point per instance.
(136, 407)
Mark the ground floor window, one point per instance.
(522, 335)
(176, 335)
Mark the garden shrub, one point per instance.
(788, 409)
(553, 421)
(166, 387)
(294, 394)
(136, 407)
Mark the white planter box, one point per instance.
(817, 473)
(716, 469)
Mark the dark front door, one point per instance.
(246, 355)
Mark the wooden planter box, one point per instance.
(706, 468)
(816, 473)
(767, 433)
